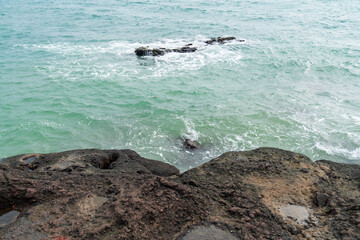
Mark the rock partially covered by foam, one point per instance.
(266, 193)
(222, 40)
(146, 51)
(191, 144)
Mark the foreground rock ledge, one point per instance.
(116, 194)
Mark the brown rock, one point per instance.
(117, 194)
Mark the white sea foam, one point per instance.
(51, 124)
(116, 60)
(190, 133)
(353, 154)
(180, 63)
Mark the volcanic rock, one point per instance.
(117, 194)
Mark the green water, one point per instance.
(69, 77)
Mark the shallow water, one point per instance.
(69, 77)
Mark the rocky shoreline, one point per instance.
(266, 193)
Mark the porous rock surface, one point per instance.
(116, 194)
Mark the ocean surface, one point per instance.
(69, 77)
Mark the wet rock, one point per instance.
(146, 51)
(29, 160)
(221, 40)
(117, 194)
(185, 49)
(191, 144)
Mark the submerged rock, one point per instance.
(117, 194)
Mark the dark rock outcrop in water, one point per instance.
(146, 51)
(221, 40)
(116, 194)
(191, 144)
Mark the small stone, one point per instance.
(322, 199)
(258, 212)
(292, 229)
(305, 170)
(247, 219)
(235, 210)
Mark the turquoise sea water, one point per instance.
(69, 77)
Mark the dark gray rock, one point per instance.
(322, 199)
(221, 40)
(305, 170)
(146, 51)
(191, 144)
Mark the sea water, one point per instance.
(69, 77)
